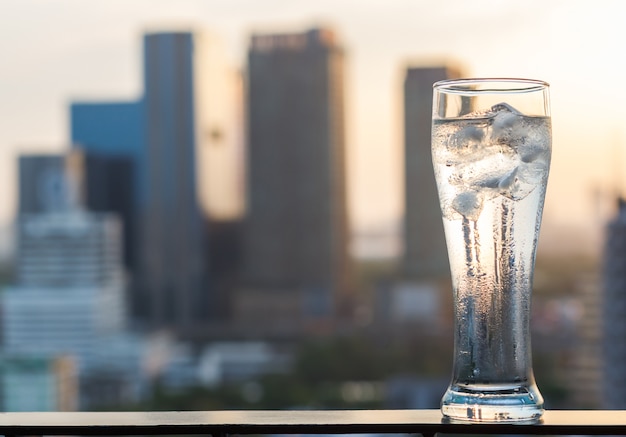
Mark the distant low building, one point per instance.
(404, 302)
(228, 362)
(414, 393)
(178, 366)
(38, 383)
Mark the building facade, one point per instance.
(38, 383)
(296, 226)
(173, 250)
(69, 290)
(425, 253)
(46, 184)
(112, 129)
(81, 179)
(109, 137)
(69, 301)
(107, 182)
(614, 313)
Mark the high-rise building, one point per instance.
(296, 226)
(425, 253)
(614, 312)
(173, 259)
(183, 139)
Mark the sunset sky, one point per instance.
(54, 51)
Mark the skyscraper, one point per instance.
(296, 227)
(179, 148)
(173, 259)
(425, 254)
(614, 312)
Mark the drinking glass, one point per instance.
(491, 148)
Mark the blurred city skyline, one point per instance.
(64, 50)
(143, 125)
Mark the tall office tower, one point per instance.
(173, 259)
(614, 312)
(296, 230)
(425, 253)
(69, 291)
(184, 142)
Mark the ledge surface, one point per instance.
(426, 422)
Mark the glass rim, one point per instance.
(490, 85)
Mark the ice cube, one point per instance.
(462, 144)
(496, 164)
(531, 151)
(507, 125)
(504, 107)
(469, 134)
(469, 204)
(536, 144)
(504, 120)
(506, 182)
(519, 190)
(528, 177)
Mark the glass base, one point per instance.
(491, 404)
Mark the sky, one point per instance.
(56, 51)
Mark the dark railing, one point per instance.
(221, 423)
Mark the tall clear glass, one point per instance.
(491, 148)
